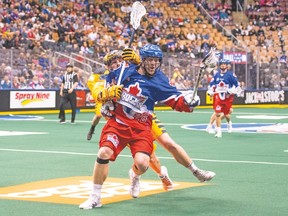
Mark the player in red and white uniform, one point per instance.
(141, 86)
(222, 87)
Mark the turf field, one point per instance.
(47, 171)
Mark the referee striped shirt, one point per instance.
(69, 80)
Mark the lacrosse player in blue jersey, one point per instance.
(141, 86)
(222, 87)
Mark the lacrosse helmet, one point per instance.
(111, 56)
(151, 56)
(223, 61)
(151, 50)
(223, 64)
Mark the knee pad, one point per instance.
(102, 161)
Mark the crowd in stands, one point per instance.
(34, 29)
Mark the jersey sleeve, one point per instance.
(172, 97)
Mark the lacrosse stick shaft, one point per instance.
(124, 63)
(197, 83)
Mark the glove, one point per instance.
(188, 98)
(195, 102)
(106, 109)
(129, 54)
(110, 93)
(232, 90)
(210, 92)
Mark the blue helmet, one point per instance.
(151, 50)
(228, 61)
(224, 61)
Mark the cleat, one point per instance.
(218, 134)
(229, 127)
(210, 129)
(92, 202)
(90, 134)
(62, 121)
(135, 184)
(73, 122)
(203, 175)
(166, 181)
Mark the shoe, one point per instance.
(203, 175)
(166, 181)
(73, 122)
(92, 202)
(90, 133)
(218, 134)
(135, 184)
(229, 127)
(62, 121)
(210, 129)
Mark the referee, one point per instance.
(68, 94)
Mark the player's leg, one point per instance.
(100, 173)
(218, 125)
(228, 114)
(209, 128)
(218, 106)
(106, 152)
(161, 171)
(141, 149)
(183, 158)
(95, 121)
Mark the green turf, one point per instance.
(244, 184)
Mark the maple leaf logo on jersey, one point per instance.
(132, 98)
(221, 84)
(134, 89)
(222, 87)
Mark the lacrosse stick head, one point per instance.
(212, 58)
(137, 12)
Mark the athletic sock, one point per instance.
(96, 189)
(192, 167)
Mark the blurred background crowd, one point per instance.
(38, 38)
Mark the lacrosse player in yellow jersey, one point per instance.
(96, 82)
(99, 78)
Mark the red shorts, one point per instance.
(222, 106)
(116, 136)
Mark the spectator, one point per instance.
(56, 83)
(6, 83)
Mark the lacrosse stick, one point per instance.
(137, 12)
(209, 62)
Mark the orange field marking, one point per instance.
(75, 190)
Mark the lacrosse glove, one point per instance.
(129, 54)
(210, 91)
(106, 109)
(110, 93)
(195, 102)
(192, 102)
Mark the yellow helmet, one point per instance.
(111, 56)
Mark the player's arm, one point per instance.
(179, 101)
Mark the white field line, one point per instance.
(129, 156)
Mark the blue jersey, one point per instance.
(223, 82)
(140, 93)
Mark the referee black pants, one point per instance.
(64, 100)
